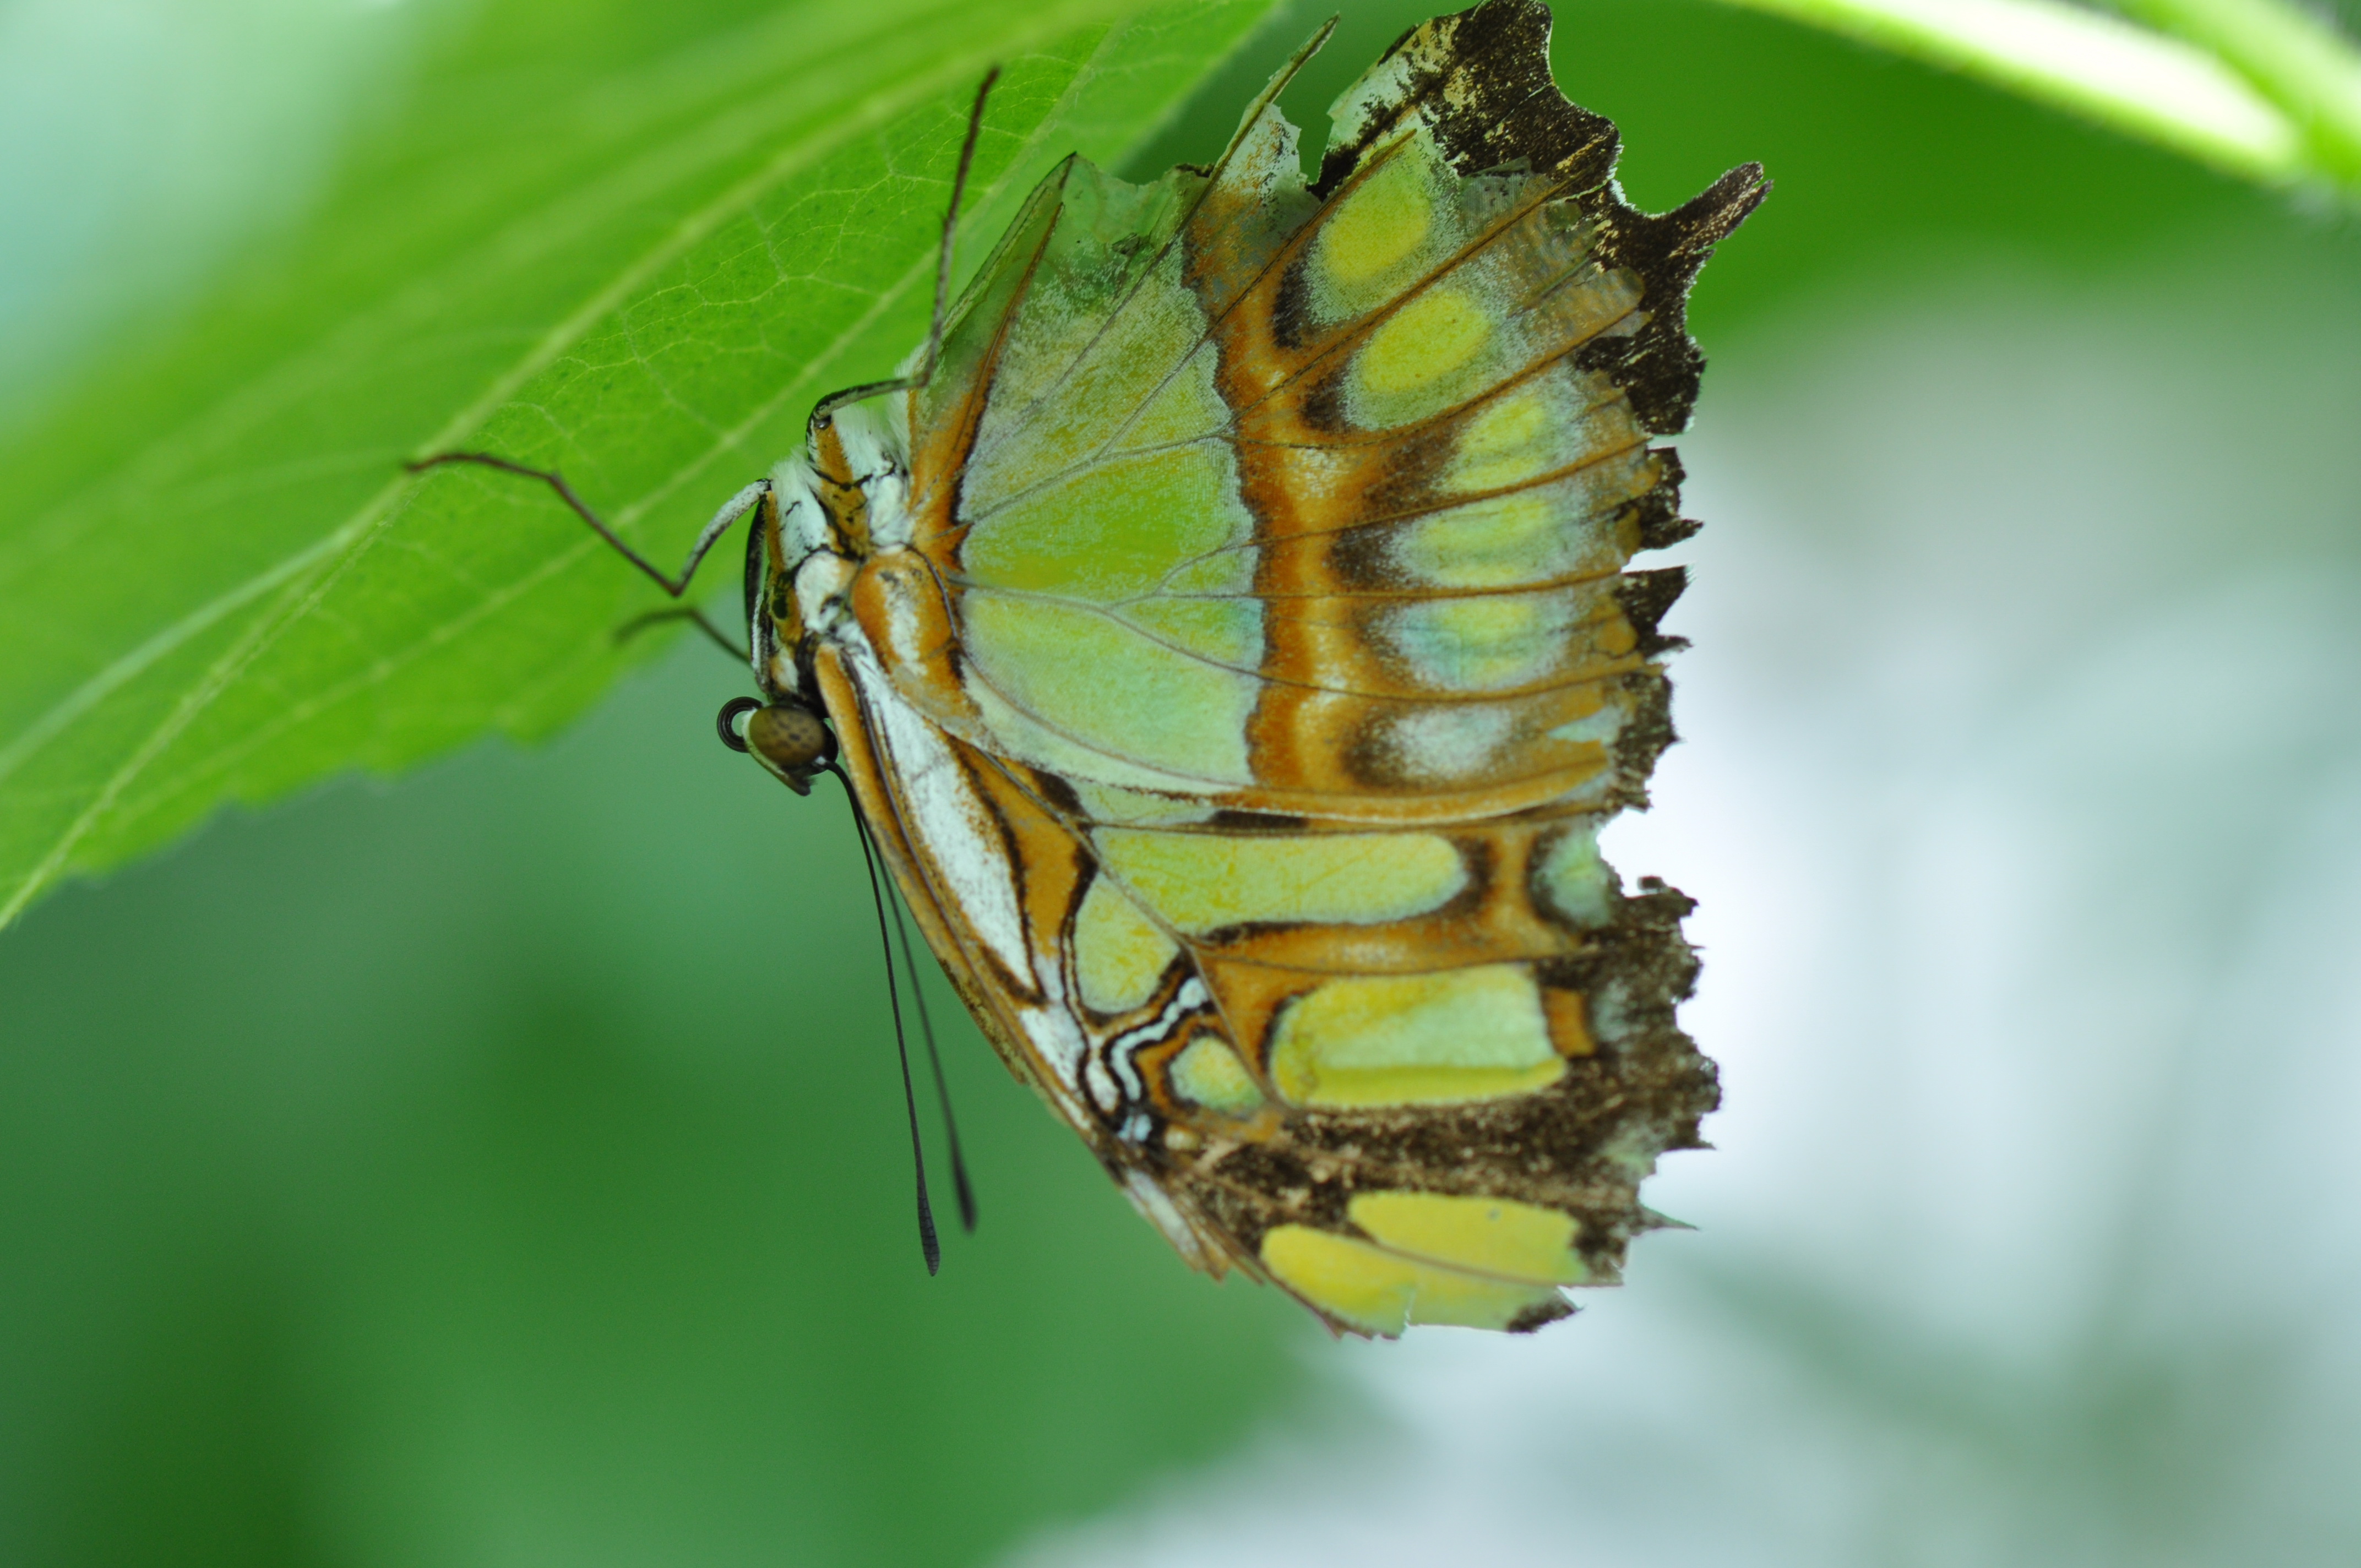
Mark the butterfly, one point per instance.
(1224, 629)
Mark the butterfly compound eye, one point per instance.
(787, 737)
(790, 739)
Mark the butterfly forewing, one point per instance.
(1261, 664)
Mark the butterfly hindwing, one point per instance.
(1242, 693)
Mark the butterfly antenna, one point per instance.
(950, 224)
(825, 410)
(928, 1242)
(934, 1059)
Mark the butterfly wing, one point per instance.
(1261, 664)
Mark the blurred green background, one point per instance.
(505, 1165)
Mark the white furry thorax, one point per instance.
(875, 437)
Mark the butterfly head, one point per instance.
(787, 737)
(796, 570)
(811, 534)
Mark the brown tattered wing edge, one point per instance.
(1581, 1145)
(1481, 81)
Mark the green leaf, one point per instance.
(2255, 88)
(216, 582)
(2301, 62)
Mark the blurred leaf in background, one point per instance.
(506, 1167)
(512, 1169)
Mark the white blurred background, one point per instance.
(142, 142)
(2021, 790)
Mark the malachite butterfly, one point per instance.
(1226, 629)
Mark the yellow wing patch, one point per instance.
(1119, 954)
(1488, 1236)
(1108, 689)
(1438, 1039)
(1382, 1292)
(1208, 1073)
(1373, 241)
(1422, 358)
(1203, 882)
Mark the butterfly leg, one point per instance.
(733, 508)
(703, 622)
